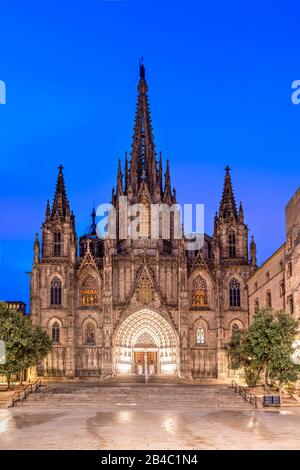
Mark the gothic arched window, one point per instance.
(231, 244)
(199, 292)
(55, 291)
(200, 335)
(90, 334)
(143, 228)
(89, 291)
(57, 244)
(55, 334)
(234, 293)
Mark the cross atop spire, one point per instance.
(60, 168)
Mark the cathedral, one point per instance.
(140, 306)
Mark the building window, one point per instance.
(57, 244)
(144, 227)
(255, 286)
(55, 291)
(267, 276)
(200, 335)
(55, 332)
(290, 268)
(234, 293)
(291, 304)
(256, 305)
(199, 292)
(281, 265)
(89, 292)
(90, 334)
(269, 299)
(282, 289)
(231, 243)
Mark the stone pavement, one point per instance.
(64, 417)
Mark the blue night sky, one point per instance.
(219, 76)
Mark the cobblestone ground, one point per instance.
(92, 428)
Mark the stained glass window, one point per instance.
(200, 335)
(199, 292)
(234, 293)
(55, 291)
(89, 291)
(55, 332)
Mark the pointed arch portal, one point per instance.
(146, 342)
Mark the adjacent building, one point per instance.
(276, 283)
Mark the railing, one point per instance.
(250, 397)
(26, 390)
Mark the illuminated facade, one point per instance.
(140, 306)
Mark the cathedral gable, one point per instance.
(199, 263)
(88, 263)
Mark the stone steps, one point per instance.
(137, 396)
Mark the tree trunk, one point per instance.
(266, 378)
(21, 377)
(8, 381)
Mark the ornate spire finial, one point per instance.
(48, 211)
(142, 69)
(119, 179)
(167, 176)
(60, 206)
(92, 229)
(253, 253)
(228, 208)
(241, 213)
(36, 248)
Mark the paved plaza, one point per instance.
(145, 417)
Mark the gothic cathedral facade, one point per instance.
(141, 306)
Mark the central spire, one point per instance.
(143, 165)
(143, 174)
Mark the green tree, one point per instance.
(266, 347)
(26, 344)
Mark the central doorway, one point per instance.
(145, 362)
(146, 343)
